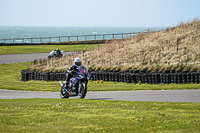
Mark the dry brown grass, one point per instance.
(173, 48)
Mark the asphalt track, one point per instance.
(17, 58)
(159, 96)
(154, 96)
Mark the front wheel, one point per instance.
(83, 90)
(49, 57)
(64, 93)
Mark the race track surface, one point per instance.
(21, 58)
(159, 96)
(156, 96)
(17, 58)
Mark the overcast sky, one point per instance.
(98, 13)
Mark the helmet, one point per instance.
(77, 62)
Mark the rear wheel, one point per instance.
(64, 93)
(83, 91)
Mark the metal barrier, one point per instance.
(69, 38)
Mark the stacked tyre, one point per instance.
(129, 76)
(24, 75)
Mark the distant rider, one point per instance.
(73, 69)
(58, 51)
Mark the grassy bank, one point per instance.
(10, 79)
(44, 48)
(174, 48)
(80, 115)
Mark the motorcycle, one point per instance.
(54, 53)
(77, 85)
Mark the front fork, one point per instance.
(79, 87)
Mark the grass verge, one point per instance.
(81, 115)
(44, 48)
(10, 79)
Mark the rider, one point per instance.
(73, 69)
(58, 51)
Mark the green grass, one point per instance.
(10, 79)
(81, 115)
(114, 86)
(44, 48)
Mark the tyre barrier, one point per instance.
(27, 75)
(131, 76)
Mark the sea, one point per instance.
(17, 32)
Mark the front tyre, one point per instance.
(83, 90)
(49, 57)
(64, 93)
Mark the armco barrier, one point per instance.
(132, 76)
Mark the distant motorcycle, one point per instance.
(54, 53)
(77, 85)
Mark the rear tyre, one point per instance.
(64, 93)
(83, 91)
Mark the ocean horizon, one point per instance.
(12, 32)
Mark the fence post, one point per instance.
(113, 36)
(77, 38)
(85, 37)
(103, 37)
(59, 38)
(68, 38)
(31, 40)
(95, 37)
(122, 36)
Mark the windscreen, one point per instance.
(82, 67)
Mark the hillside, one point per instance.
(173, 48)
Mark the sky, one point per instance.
(98, 13)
